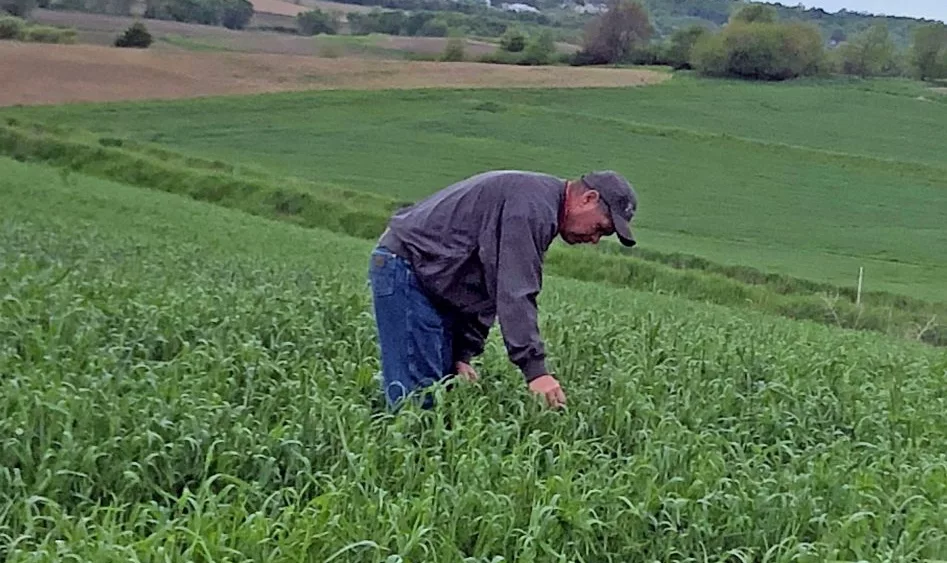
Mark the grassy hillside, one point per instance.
(189, 382)
(807, 180)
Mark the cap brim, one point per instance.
(623, 231)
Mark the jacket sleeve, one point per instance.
(519, 282)
(470, 334)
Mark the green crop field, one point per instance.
(811, 180)
(188, 356)
(183, 382)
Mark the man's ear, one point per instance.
(592, 196)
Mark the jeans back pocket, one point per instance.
(381, 273)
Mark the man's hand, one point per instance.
(464, 371)
(548, 387)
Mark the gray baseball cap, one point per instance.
(620, 198)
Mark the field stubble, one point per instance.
(185, 381)
(57, 74)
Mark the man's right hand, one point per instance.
(548, 387)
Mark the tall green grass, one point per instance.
(809, 180)
(365, 216)
(187, 382)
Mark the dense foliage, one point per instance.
(18, 29)
(315, 22)
(929, 53)
(870, 53)
(760, 50)
(136, 36)
(233, 14)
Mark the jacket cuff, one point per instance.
(533, 368)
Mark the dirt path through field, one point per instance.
(54, 74)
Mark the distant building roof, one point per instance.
(518, 7)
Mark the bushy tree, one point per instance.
(929, 52)
(755, 13)
(11, 27)
(761, 51)
(513, 40)
(611, 36)
(682, 45)
(18, 8)
(870, 53)
(136, 36)
(454, 50)
(235, 14)
(540, 49)
(316, 21)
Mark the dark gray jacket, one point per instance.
(477, 247)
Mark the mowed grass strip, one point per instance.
(191, 382)
(779, 198)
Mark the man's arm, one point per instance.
(519, 282)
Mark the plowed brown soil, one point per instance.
(52, 74)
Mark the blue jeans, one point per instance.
(415, 337)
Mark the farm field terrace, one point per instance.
(183, 382)
(813, 179)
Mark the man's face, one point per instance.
(586, 220)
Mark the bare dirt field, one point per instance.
(54, 74)
(281, 7)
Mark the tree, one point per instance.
(838, 36)
(929, 51)
(513, 40)
(235, 14)
(755, 13)
(18, 8)
(612, 35)
(869, 53)
(316, 21)
(761, 51)
(454, 50)
(682, 44)
(540, 49)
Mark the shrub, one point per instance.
(682, 43)
(136, 36)
(454, 51)
(540, 49)
(650, 54)
(11, 27)
(870, 53)
(316, 21)
(762, 51)
(513, 40)
(46, 34)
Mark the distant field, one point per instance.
(54, 74)
(98, 29)
(735, 198)
(287, 8)
(279, 7)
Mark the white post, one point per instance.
(861, 272)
